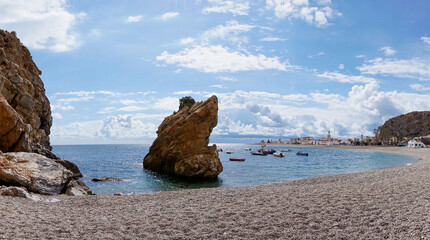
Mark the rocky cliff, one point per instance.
(181, 147)
(25, 123)
(25, 111)
(413, 124)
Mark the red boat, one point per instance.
(237, 159)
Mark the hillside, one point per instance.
(413, 124)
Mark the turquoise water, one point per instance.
(125, 162)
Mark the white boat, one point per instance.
(229, 152)
(416, 144)
(285, 150)
(278, 154)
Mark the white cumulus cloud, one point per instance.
(167, 103)
(300, 9)
(230, 31)
(419, 87)
(169, 15)
(415, 68)
(41, 24)
(388, 51)
(273, 39)
(132, 19)
(214, 59)
(339, 77)
(426, 40)
(362, 110)
(186, 41)
(233, 7)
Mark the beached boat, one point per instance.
(237, 159)
(278, 154)
(300, 153)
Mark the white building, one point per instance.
(416, 144)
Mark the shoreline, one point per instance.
(384, 203)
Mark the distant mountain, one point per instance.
(413, 124)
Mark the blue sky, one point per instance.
(113, 70)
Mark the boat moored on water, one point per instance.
(259, 153)
(229, 152)
(300, 153)
(278, 154)
(285, 150)
(237, 159)
(266, 151)
(269, 151)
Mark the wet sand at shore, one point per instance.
(382, 204)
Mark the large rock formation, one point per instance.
(25, 123)
(413, 124)
(181, 147)
(25, 111)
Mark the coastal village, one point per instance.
(414, 142)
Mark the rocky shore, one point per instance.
(382, 204)
(27, 164)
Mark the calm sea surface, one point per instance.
(125, 162)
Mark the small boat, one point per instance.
(278, 154)
(269, 151)
(285, 150)
(259, 153)
(219, 149)
(237, 159)
(247, 149)
(229, 152)
(302, 153)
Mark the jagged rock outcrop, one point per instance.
(181, 147)
(25, 111)
(413, 124)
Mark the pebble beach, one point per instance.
(382, 204)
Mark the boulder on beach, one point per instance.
(181, 147)
(77, 188)
(33, 171)
(14, 192)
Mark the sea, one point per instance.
(126, 162)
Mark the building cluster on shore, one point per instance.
(362, 141)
